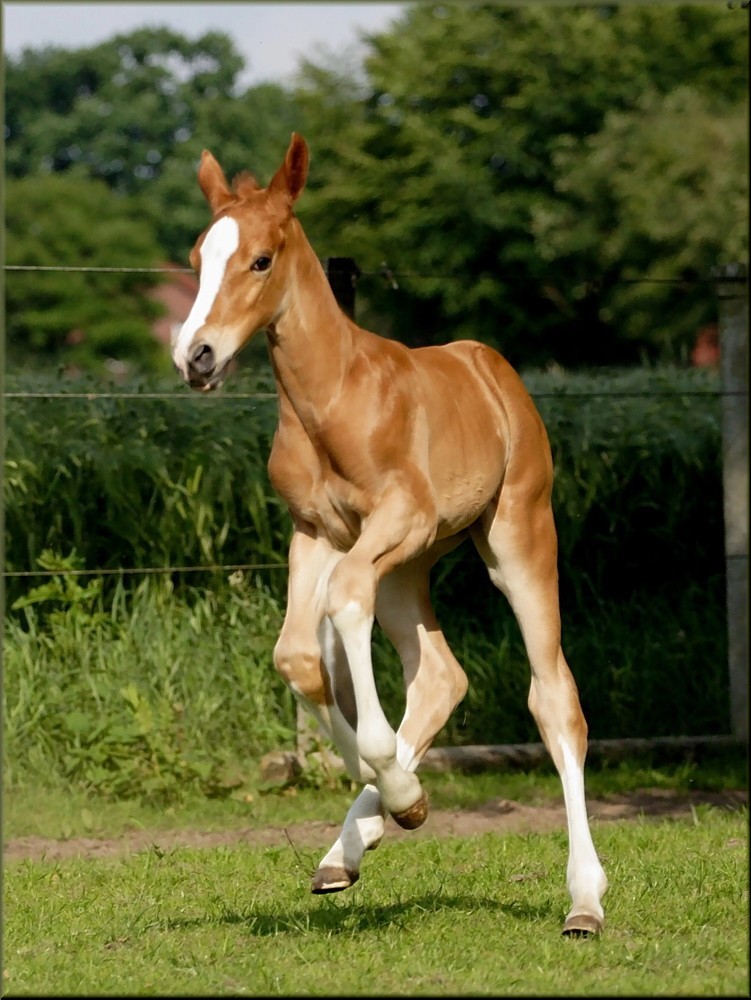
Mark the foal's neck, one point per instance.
(312, 342)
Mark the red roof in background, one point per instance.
(177, 293)
(706, 350)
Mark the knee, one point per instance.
(303, 671)
(352, 584)
(376, 744)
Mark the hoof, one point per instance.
(415, 816)
(582, 925)
(333, 880)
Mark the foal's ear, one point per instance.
(289, 180)
(213, 183)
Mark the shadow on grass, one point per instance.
(335, 918)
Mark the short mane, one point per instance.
(245, 184)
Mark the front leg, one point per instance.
(376, 740)
(306, 652)
(361, 832)
(392, 535)
(435, 683)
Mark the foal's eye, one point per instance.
(261, 264)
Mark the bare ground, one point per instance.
(496, 815)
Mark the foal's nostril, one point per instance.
(202, 360)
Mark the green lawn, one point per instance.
(437, 917)
(433, 916)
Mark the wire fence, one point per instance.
(352, 272)
(383, 272)
(731, 292)
(349, 271)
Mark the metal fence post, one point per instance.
(343, 273)
(732, 292)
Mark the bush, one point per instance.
(141, 481)
(146, 697)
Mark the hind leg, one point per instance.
(435, 682)
(518, 543)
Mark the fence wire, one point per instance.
(384, 273)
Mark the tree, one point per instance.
(135, 112)
(81, 319)
(660, 191)
(444, 159)
(118, 108)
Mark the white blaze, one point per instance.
(220, 243)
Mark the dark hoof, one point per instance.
(333, 880)
(414, 816)
(582, 925)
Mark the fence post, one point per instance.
(343, 273)
(307, 731)
(732, 292)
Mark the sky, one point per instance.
(272, 37)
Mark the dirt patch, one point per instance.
(496, 815)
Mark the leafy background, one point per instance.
(515, 168)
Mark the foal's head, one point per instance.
(240, 261)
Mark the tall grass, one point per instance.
(141, 482)
(147, 696)
(174, 671)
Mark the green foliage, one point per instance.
(149, 483)
(135, 112)
(672, 176)
(74, 600)
(86, 320)
(142, 481)
(119, 107)
(637, 457)
(515, 166)
(451, 170)
(142, 696)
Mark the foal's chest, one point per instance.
(316, 489)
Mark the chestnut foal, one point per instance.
(388, 458)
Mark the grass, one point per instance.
(149, 709)
(433, 917)
(472, 916)
(143, 694)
